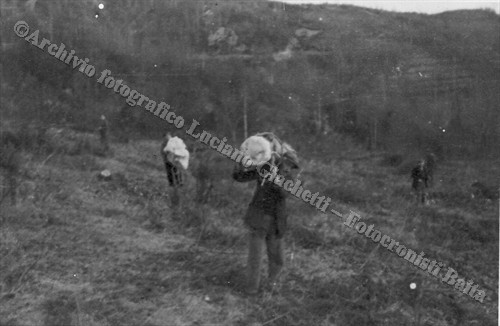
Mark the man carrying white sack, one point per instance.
(175, 156)
(266, 216)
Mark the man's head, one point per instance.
(289, 156)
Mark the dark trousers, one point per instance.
(173, 174)
(275, 254)
(419, 187)
(174, 177)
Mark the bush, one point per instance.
(67, 141)
(405, 167)
(393, 160)
(305, 237)
(349, 194)
(28, 137)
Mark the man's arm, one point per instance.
(290, 173)
(241, 174)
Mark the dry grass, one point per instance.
(78, 251)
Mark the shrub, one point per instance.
(348, 193)
(405, 167)
(393, 160)
(305, 237)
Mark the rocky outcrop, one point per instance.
(307, 33)
(223, 35)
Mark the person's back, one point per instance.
(174, 176)
(419, 175)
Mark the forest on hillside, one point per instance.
(392, 80)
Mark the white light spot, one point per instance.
(156, 66)
(96, 16)
(100, 6)
(320, 19)
(289, 97)
(413, 286)
(444, 130)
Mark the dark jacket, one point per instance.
(419, 174)
(267, 211)
(174, 174)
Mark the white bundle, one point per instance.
(176, 147)
(258, 148)
(265, 146)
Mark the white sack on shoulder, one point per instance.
(174, 145)
(257, 148)
(182, 157)
(178, 149)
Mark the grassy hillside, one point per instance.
(360, 93)
(79, 251)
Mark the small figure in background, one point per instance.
(175, 157)
(168, 165)
(420, 177)
(103, 131)
(174, 175)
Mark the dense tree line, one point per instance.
(389, 79)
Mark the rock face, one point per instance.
(104, 175)
(287, 53)
(223, 36)
(307, 33)
(283, 55)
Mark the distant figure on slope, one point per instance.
(175, 157)
(420, 177)
(174, 176)
(103, 132)
(266, 216)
